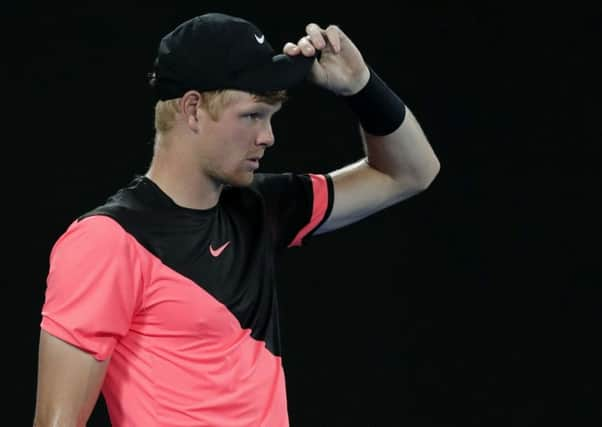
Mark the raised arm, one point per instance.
(69, 382)
(399, 160)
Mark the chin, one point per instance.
(242, 180)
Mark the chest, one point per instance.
(208, 279)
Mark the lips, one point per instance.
(254, 162)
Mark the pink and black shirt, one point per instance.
(184, 301)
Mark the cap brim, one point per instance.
(283, 72)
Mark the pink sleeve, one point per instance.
(320, 207)
(93, 285)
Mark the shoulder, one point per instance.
(99, 233)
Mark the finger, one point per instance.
(314, 32)
(306, 46)
(333, 35)
(291, 49)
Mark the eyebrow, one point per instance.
(268, 108)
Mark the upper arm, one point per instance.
(93, 290)
(360, 190)
(397, 166)
(68, 383)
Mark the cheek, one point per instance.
(232, 147)
(238, 140)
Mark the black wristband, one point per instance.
(379, 110)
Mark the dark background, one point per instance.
(474, 303)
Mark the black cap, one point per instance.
(217, 51)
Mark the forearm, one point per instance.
(405, 154)
(394, 142)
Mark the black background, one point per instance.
(474, 303)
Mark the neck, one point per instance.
(178, 173)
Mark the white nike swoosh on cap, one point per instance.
(259, 39)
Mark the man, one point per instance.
(164, 297)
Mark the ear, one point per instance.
(189, 106)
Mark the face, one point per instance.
(233, 146)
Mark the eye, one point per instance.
(253, 116)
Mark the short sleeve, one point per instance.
(93, 285)
(296, 204)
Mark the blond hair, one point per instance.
(214, 102)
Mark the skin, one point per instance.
(194, 160)
(396, 167)
(199, 155)
(69, 382)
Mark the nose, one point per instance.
(265, 136)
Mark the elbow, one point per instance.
(55, 415)
(425, 178)
(409, 185)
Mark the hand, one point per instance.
(341, 67)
